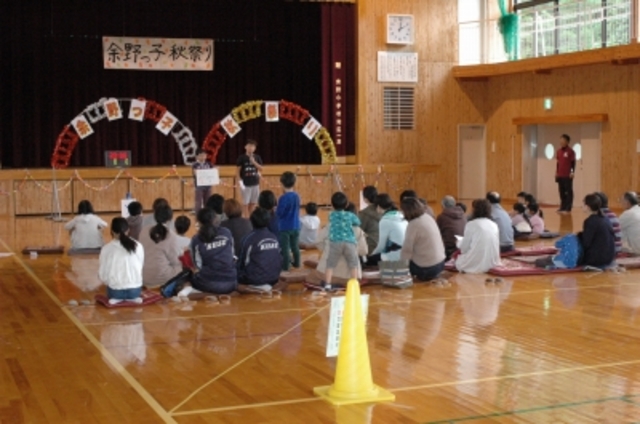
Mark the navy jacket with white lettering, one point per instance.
(215, 259)
(260, 260)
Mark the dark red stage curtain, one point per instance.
(339, 74)
(51, 69)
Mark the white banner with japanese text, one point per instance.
(157, 54)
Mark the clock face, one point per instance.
(400, 29)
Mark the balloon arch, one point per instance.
(229, 126)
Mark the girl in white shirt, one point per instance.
(480, 247)
(121, 265)
(86, 228)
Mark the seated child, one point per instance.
(135, 219)
(121, 265)
(267, 200)
(259, 261)
(215, 202)
(86, 228)
(520, 221)
(535, 218)
(309, 225)
(182, 224)
(342, 239)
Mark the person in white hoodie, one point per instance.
(630, 222)
(86, 228)
(121, 265)
(392, 227)
(480, 247)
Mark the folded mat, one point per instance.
(90, 251)
(43, 250)
(292, 277)
(148, 298)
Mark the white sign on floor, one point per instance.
(335, 322)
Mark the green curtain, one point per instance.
(508, 25)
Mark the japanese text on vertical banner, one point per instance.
(153, 54)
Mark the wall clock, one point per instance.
(400, 29)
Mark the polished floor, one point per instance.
(559, 349)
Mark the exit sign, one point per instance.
(117, 158)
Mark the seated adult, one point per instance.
(596, 237)
(212, 253)
(480, 247)
(215, 202)
(370, 217)
(501, 217)
(161, 249)
(259, 260)
(341, 273)
(451, 223)
(613, 220)
(422, 246)
(267, 200)
(392, 230)
(235, 223)
(149, 220)
(411, 193)
(630, 222)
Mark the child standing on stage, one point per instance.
(121, 265)
(342, 238)
(202, 193)
(288, 213)
(249, 168)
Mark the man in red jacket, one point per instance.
(565, 167)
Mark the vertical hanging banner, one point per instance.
(136, 111)
(82, 126)
(157, 54)
(272, 111)
(311, 128)
(167, 122)
(113, 109)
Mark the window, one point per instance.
(561, 26)
(577, 148)
(549, 151)
(398, 108)
(470, 17)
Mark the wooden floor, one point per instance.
(561, 349)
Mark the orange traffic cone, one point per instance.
(353, 382)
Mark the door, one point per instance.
(585, 141)
(472, 162)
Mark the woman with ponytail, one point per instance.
(212, 253)
(597, 235)
(121, 265)
(162, 249)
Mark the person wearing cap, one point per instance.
(630, 222)
(502, 218)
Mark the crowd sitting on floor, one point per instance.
(231, 253)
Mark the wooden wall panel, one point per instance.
(169, 188)
(441, 102)
(6, 198)
(31, 199)
(107, 200)
(593, 89)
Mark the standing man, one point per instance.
(249, 167)
(565, 167)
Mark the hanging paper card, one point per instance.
(230, 126)
(312, 127)
(167, 122)
(272, 111)
(82, 126)
(136, 111)
(113, 109)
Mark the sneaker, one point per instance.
(137, 300)
(115, 301)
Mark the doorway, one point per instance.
(540, 143)
(472, 161)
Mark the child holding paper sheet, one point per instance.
(202, 192)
